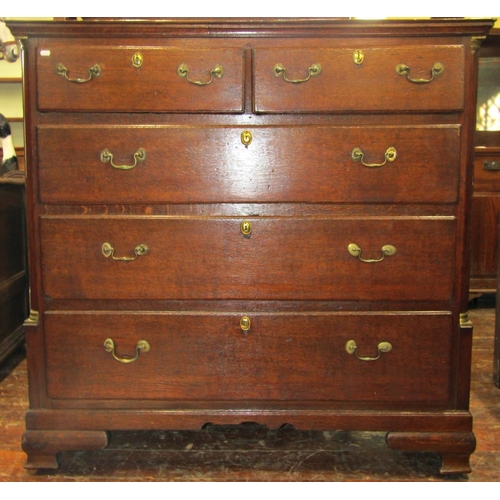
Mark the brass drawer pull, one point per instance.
(142, 346)
(109, 251)
(389, 155)
(355, 251)
(352, 348)
(107, 157)
(94, 72)
(183, 72)
(404, 70)
(245, 323)
(313, 70)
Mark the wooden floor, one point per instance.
(252, 453)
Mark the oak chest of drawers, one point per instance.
(250, 220)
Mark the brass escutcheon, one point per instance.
(246, 137)
(245, 323)
(137, 60)
(358, 56)
(246, 229)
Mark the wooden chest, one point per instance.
(250, 220)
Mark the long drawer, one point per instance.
(207, 356)
(188, 164)
(405, 78)
(256, 258)
(83, 76)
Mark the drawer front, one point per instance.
(280, 164)
(113, 83)
(487, 173)
(208, 357)
(372, 85)
(281, 258)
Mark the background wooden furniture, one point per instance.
(13, 257)
(486, 205)
(496, 352)
(496, 343)
(13, 265)
(11, 104)
(250, 220)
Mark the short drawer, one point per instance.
(287, 356)
(487, 173)
(359, 78)
(83, 76)
(190, 164)
(276, 258)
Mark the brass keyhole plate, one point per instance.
(246, 137)
(245, 323)
(358, 57)
(246, 228)
(137, 60)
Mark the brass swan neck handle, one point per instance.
(404, 70)
(94, 72)
(183, 72)
(312, 71)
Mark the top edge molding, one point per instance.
(251, 27)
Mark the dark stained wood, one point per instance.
(455, 447)
(308, 164)
(184, 258)
(41, 447)
(496, 348)
(486, 188)
(484, 254)
(270, 362)
(12, 256)
(496, 361)
(299, 29)
(13, 273)
(200, 266)
(374, 85)
(155, 86)
(486, 181)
